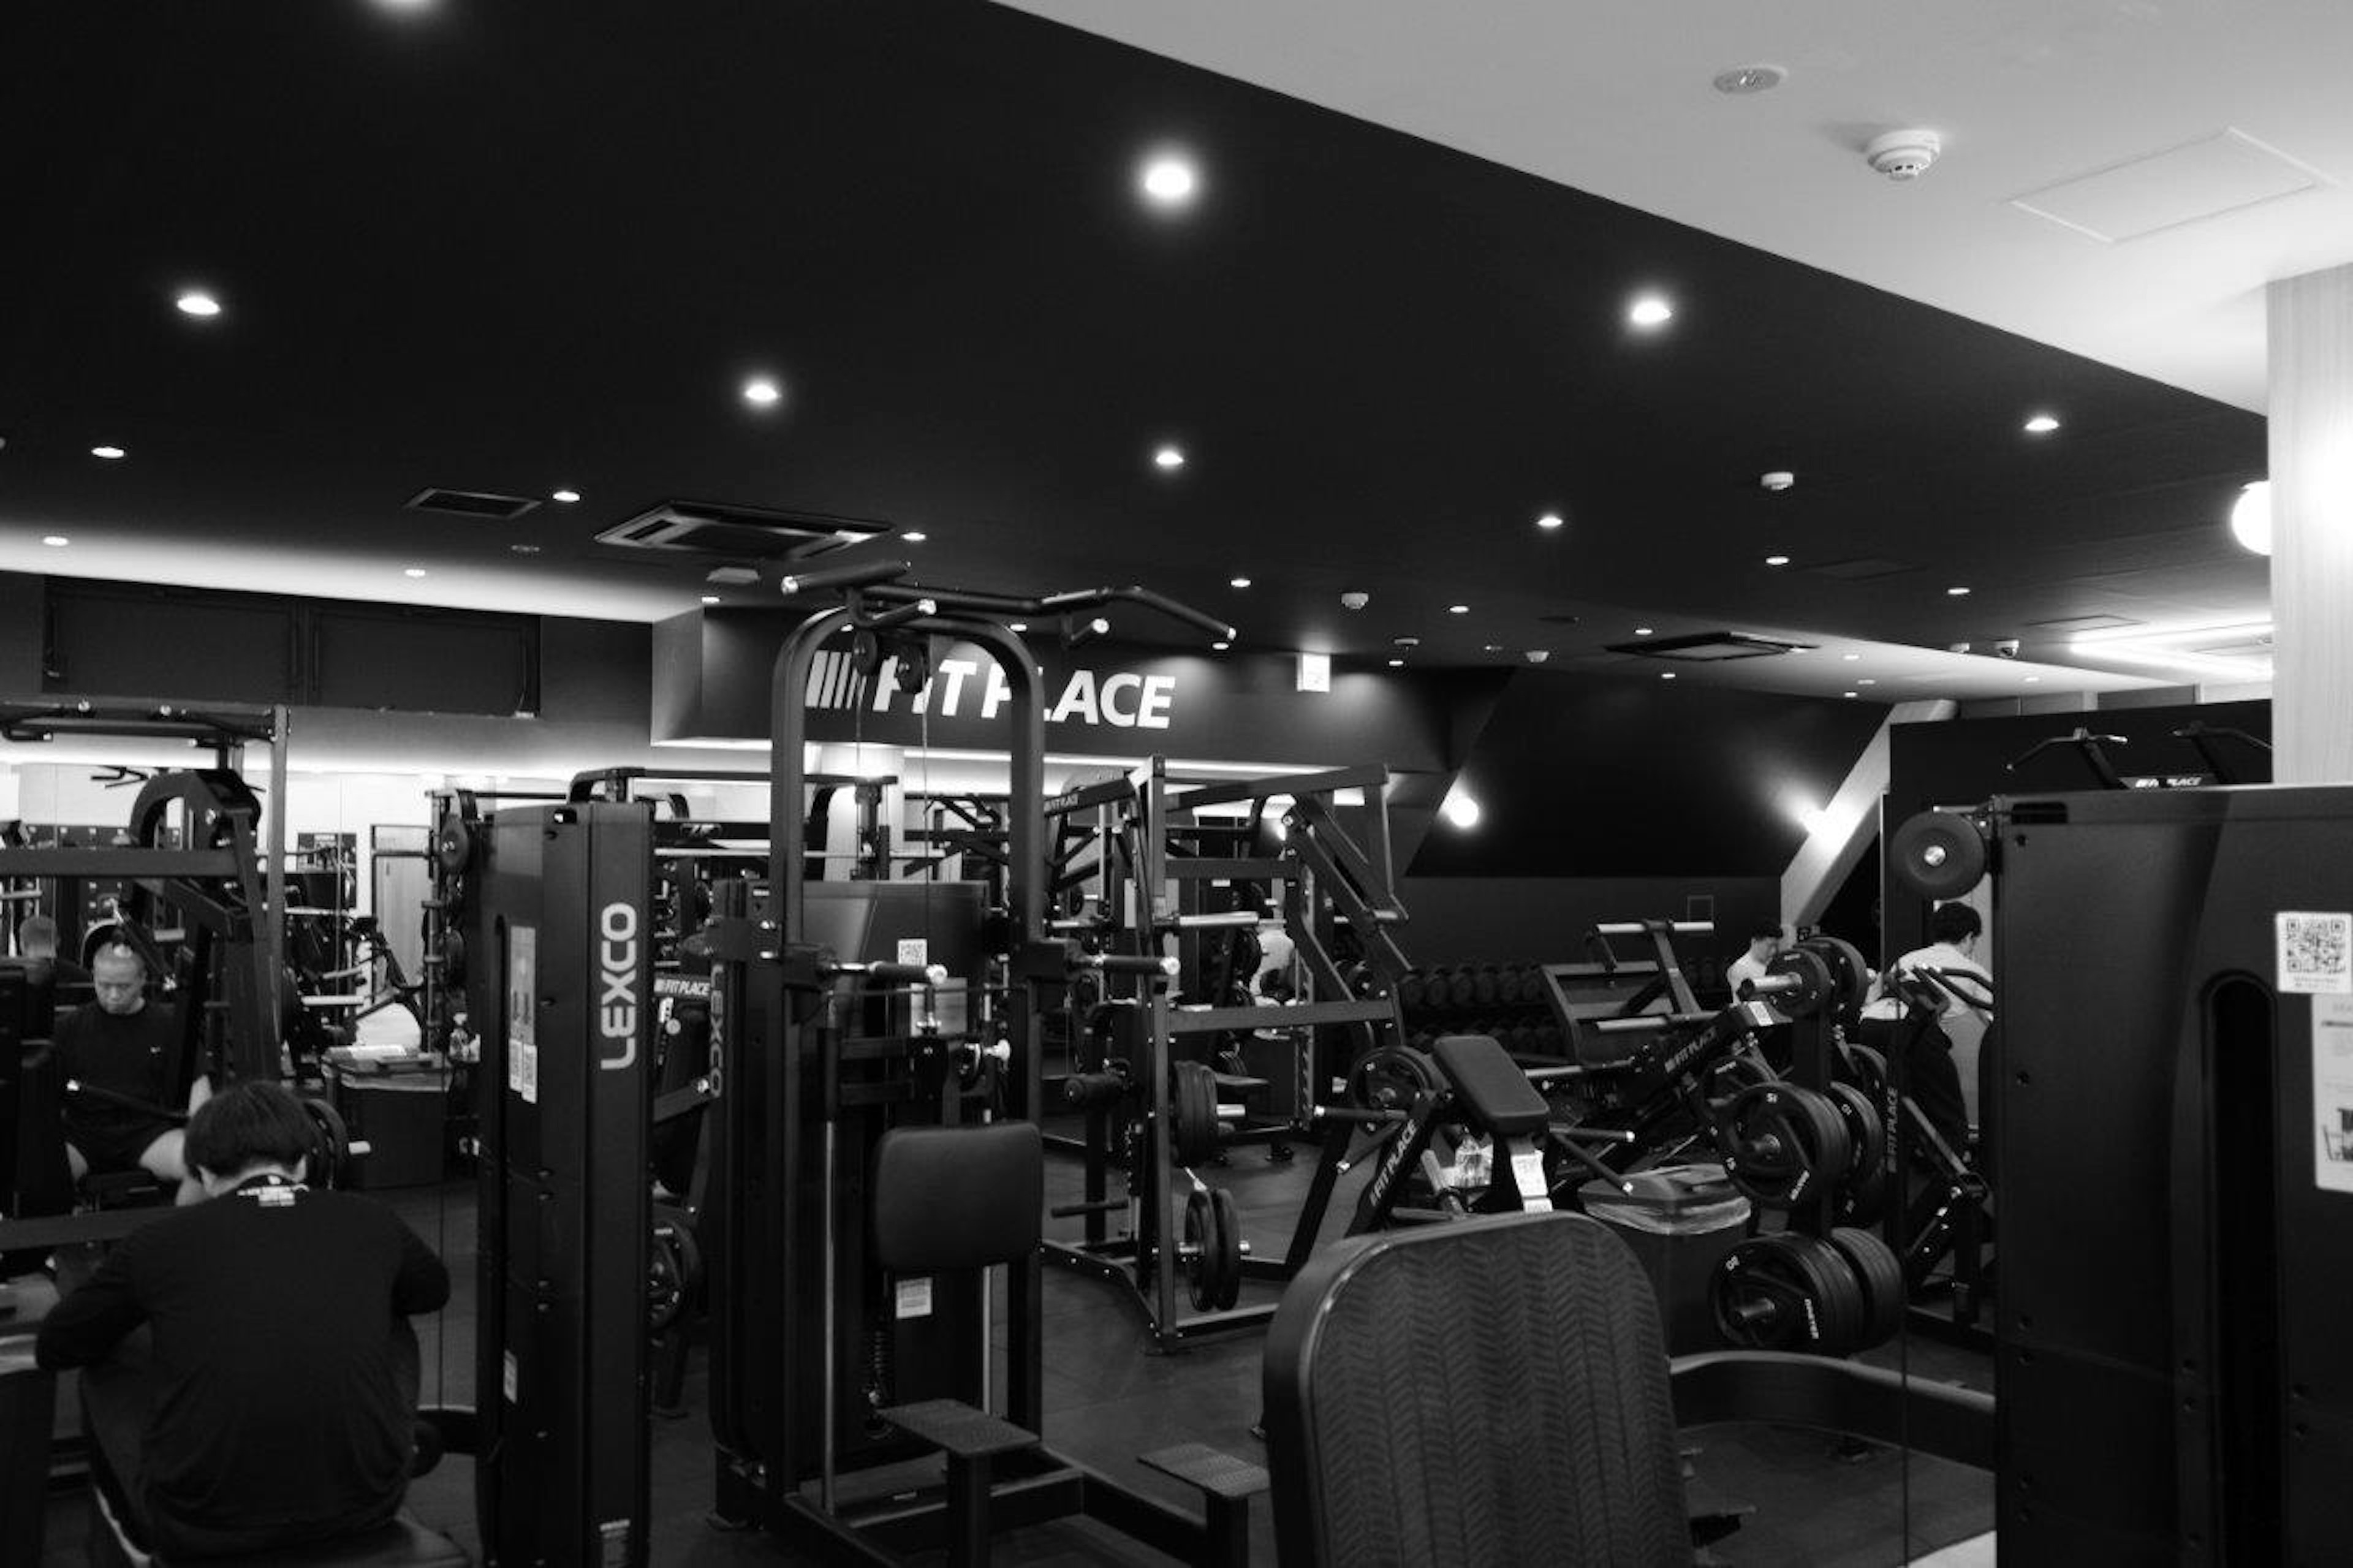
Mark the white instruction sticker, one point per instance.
(508, 1382)
(522, 1010)
(2316, 954)
(916, 1298)
(2332, 1092)
(914, 950)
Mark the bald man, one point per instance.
(123, 1047)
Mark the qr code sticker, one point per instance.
(2315, 954)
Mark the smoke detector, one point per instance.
(1902, 154)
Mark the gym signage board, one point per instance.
(713, 670)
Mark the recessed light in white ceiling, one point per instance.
(1458, 609)
(566, 497)
(710, 598)
(762, 392)
(914, 536)
(412, 570)
(1850, 658)
(1169, 180)
(1550, 520)
(197, 302)
(1850, 693)
(1957, 593)
(1666, 674)
(56, 541)
(2033, 680)
(1650, 311)
(1396, 664)
(110, 453)
(2040, 424)
(1867, 680)
(1642, 631)
(1220, 647)
(1741, 80)
(1168, 459)
(524, 548)
(1776, 560)
(1238, 582)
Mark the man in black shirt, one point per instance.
(278, 1402)
(122, 1049)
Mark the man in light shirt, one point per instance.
(1934, 1073)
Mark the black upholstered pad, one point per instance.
(1490, 1086)
(958, 1197)
(960, 1429)
(1492, 1391)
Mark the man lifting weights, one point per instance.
(123, 1047)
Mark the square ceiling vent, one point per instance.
(738, 532)
(1708, 648)
(2202, 179)
(471, 503)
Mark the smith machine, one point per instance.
(877, 1154)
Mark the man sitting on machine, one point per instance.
(118, 1051)
(274, 1405)
(1932, 1078)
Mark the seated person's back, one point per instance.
(275, 1410)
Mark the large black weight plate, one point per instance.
(1782, 1142)
(330, 1147)
(1866, 1134)
(1199, 1263)
(1410, 990)
(1841, 1310)
(665, 1280)
(1193, 1113)
(453, 843)
(1760, 1294)
(453, 958)
(1813, 978)
(1226, 1238)
(1390, 1077)
(1937, 855)
(1850, 976)
(1881, 1277)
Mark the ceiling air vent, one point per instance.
(738, 532)
(471, 503)
(1708, 648)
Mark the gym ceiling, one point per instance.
(525, 249)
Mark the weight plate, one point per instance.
(1865, 1133)
(1200, 1264)
(1410, 992)
(1850, 976)
(1226, 1243)
(1881, 1277)
(1841, 1311)
(1484, 987)
(1813, 978)
(453, 958)
(453, 843)
(1759, 1295)
(1862, 1200)
(1869, 1069)
(1193, 1113)
(1937, 855)
(332, 1143)
(1781, 1143)
(1463, 987)
(1390, 1077)
(665, 1280)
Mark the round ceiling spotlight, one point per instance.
(1650, 311)
(111, 454)
(1642, 631)
(762, 392)
(1551, 520)
(1169, 181)
(197, 302)
(1168, 459)
(566, 497)
(1902, 154)
(1461, 807)
(1742, 81)
(2251, 517)
(1957, 593)
(710, 598)
(2041, 424)
(1355, 599)
(1458, 609)
(1238, 582)
(1779, 479)
(412, 570)
(1396, 664)
(914, 536)
(1776, 560)
(56, 541)
(524, 548)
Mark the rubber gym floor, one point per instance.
(1109, 1397)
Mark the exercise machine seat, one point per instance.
(1489, 1391)
(958, 1197)
(1491, 1085)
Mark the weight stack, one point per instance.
(2175, 1382)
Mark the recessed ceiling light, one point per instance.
(1458, 609)
(1220, 647)
(1850, 658)
(197, 302)
(1776, 560)
(524, 548)
(566, 497)
(1666, 674)
(1957, 593)
(1650, 311)
(1551, 520)
(1168, 458)
(1867, 680)
(914, 536)
(763, 393)
(1850, 693)
(2041, 424)
(1018, 627)
(1238, 582)
(109, 453)
(1396, 664)
(1642, 631)
(56, 541)
(2033, 680)
(2251, 517)
(412, 570)
(1169, 180)
(710, 598)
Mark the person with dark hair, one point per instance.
(1935, 1069)
(276, 1401)
(1764, 946)
(117, 1053)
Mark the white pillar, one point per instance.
(2311, 380)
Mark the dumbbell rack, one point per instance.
(1327, 880)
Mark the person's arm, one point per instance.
(423, 1283)
(84, 1328)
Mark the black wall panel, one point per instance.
(171, 644)
(432, 662)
